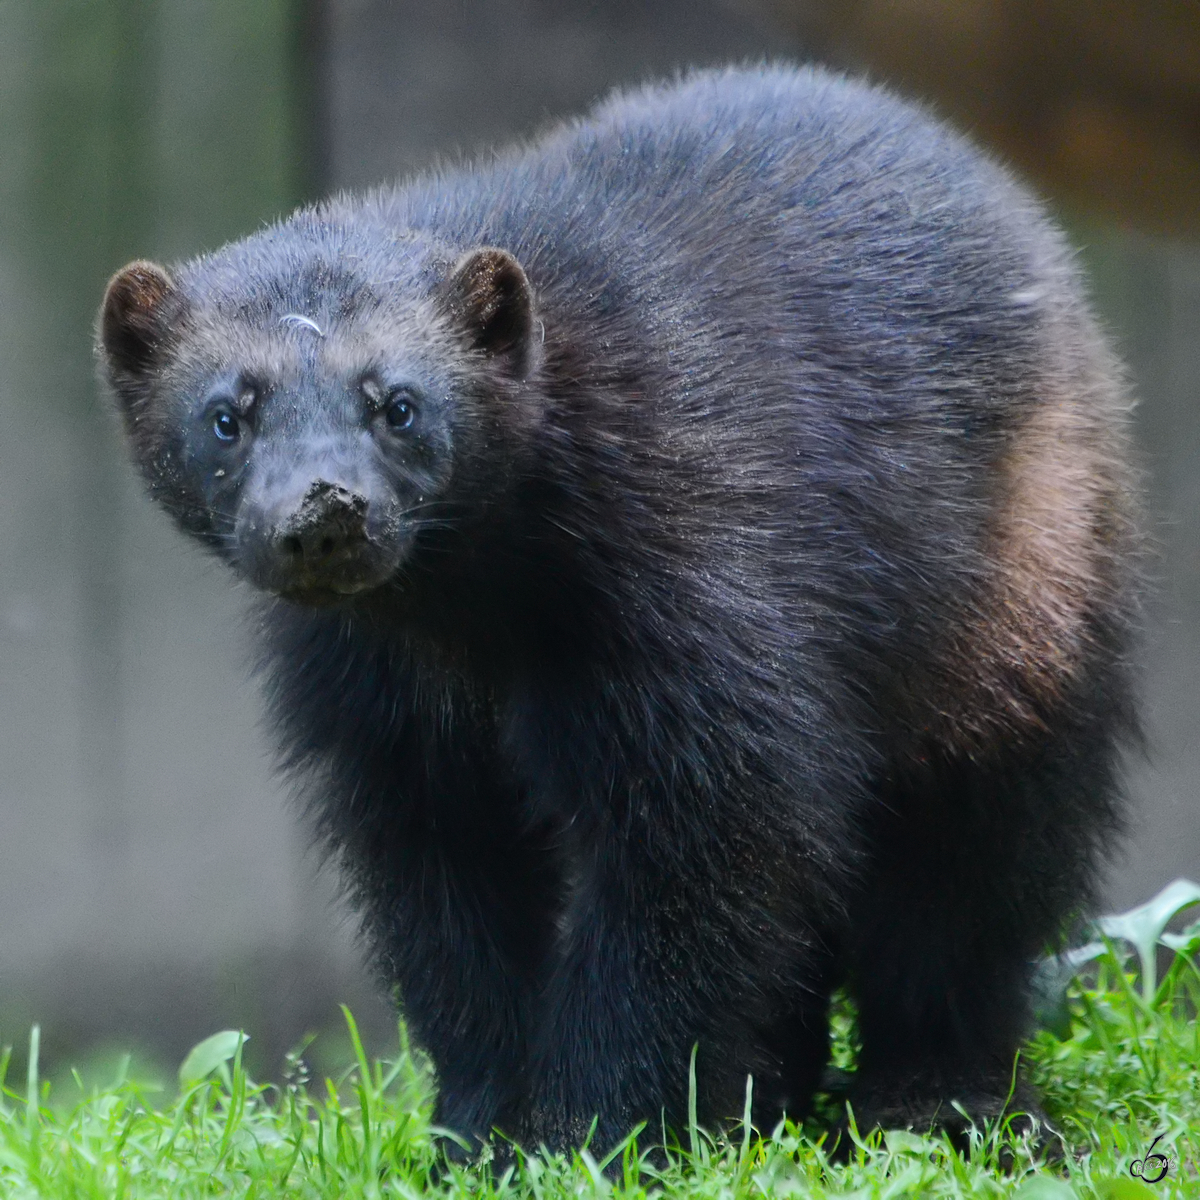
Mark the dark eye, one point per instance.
(226, 426)
(400, 412)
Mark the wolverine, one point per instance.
(698, 570)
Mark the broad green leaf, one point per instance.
(1186, 939)
(901, 1141)
(1123, 1189)
(1143, 926)
(1050, 979)
(1043, 1188)
(206, 1056)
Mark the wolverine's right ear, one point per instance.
(491, 300)
(139, 305)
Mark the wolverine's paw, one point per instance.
(974, 1121)
(483, 1156)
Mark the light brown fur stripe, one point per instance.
(1057, 553)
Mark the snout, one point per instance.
(315, 547)
(326, 531)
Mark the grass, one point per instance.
(1122, 1070)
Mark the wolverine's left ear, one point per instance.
(139, 307)
(489, 297)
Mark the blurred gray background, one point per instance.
(154, 884)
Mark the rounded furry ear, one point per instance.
(489, 296)
(134, 319)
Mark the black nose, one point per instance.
(329, 521)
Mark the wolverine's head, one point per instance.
(304, 400)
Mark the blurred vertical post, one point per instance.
(121, 221)
(85, 205)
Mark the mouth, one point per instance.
(353, 588)
(324, 595)
(327, 588)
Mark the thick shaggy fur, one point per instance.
(749, 614)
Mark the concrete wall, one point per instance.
(154, 885)
(1149, 292)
